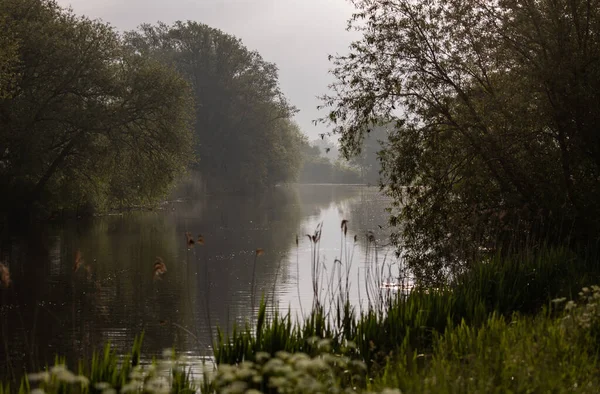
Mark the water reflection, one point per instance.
(113, 295)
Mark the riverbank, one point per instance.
(501, 327)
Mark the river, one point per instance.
(79, 284)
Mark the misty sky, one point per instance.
(297, 35)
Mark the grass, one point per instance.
(555, 350)
(494, 328)
(107, 373)
(522, 282)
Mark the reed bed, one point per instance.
(502, 326)
(523, 282)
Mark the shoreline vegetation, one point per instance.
(520, 321)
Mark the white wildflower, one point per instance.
(40, 376)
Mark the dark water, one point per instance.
(50, 309)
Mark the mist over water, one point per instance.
(113, 295)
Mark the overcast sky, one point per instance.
(297, 35)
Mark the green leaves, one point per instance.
(90, 123)
(245, 137)
(494, 103)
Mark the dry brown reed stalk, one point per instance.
(189, 240)
(4, 276)
(298, 276)
(200, 240)
(78, 260)
(315, 263)
(345, 226)
(159, 268)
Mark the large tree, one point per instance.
(245, 137)
(496, 111)
(85, 121)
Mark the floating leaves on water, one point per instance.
(259, 252)
(78, 260)
(200, 240)
(190, 240)
(4, 276)
(159, 268)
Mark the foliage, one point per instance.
(546, 352)
(86, 122)
(107, 373)
(291, 373)
(492, 329)
(368, 160)
(240, 111)
(318, 168)
(502, 286)
(521, 354)
(494, 105)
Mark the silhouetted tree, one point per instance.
(84, 121)
(245, 137)
(495, 105)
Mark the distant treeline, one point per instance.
(323, 166)
(91, 119)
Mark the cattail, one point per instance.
(159, 268)
(4, 276)
(355, 238)
(259, 252)
(345, 226)
(370, 236)
(317, 236)
(200, 240)
(190, 239)
(78, 261)
(296, 239)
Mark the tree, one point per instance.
(318, 168)
(89, 122)
(245, 137)
(369, 160)
(8, 59)
(495, 107)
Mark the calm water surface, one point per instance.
(113, 296)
